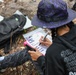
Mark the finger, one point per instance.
(31, 52)
(42, 42)
(41, 38)
(46, 39)
(36, 49)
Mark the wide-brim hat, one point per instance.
(45, 8)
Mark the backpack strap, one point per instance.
(68, 43)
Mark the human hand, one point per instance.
(45, 42)
(35, 54)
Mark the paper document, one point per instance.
(32, 39)
(1, 18)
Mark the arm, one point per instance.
(41, 62)
(37, 56)
(15, 59)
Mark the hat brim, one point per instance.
(40, 23)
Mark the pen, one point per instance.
(44, 38)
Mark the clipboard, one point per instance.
(32, 39)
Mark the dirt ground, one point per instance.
(27, 7)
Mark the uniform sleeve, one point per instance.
(54, 62)
(41, 62)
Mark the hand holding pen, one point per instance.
(45, 41)
(45, 37)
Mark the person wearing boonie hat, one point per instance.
(52, 14)
(58, 60)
